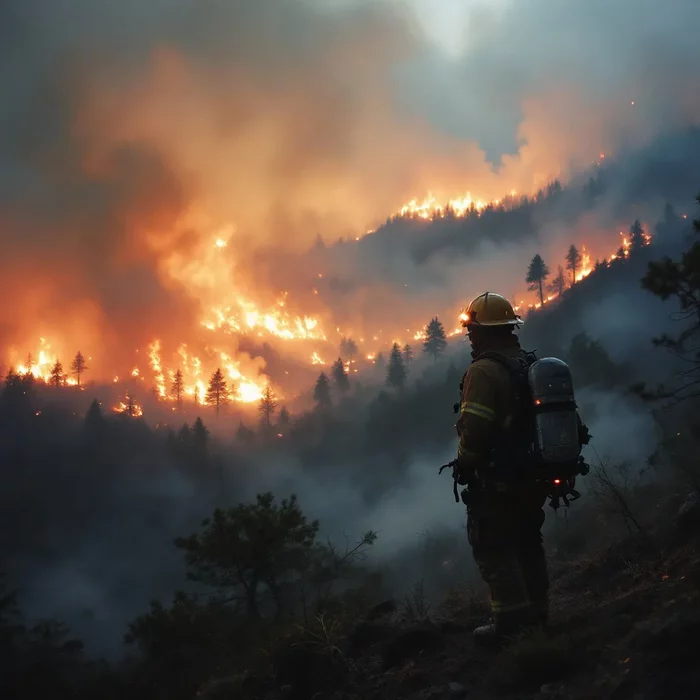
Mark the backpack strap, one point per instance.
(515, 365)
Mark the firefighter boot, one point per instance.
(487, 636)
(503, 627)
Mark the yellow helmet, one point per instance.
(490, 309)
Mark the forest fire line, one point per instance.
(586, 266)
(187, 376)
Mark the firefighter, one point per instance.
(504, 514)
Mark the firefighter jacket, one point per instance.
(487, 407)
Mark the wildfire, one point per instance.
(247, 318)
(128, 407)
(43, 365)
(430, 207)
(184, 374)
(157, 367)
(586, 266)
(244, 389)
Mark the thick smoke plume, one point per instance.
(133, 136)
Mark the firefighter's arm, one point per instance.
(476, 425)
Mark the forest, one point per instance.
(262, 599)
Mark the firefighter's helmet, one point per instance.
(490, 309)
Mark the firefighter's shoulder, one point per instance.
(488, 369)
(482, 378)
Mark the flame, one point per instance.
(244, 389)
(430, 207)
(157, 368)
(230, 308)
(586, 266)
(128, 407)
(40, 363)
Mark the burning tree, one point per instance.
(556, 286)
(78, 366)
(637, 238)
(267, 407)
(396, 371)
(177, 387)
(537, 273)
(573, 261)
(217, 391)
(130, 407)
(57, 376)
(339, 376)
(322, 391)
(435, 338)
(407, 354)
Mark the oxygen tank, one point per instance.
(556, 421)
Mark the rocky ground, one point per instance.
(625, 626)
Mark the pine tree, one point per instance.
(537, 273)
(78, 366)
(267, 406)
(217, 393)
(322, 391)
(380, 362)
(57, 375)
(396, 370)
(637, 238)
(177, 387)
(245, 434)
(94, 419)
(680, 280)
(348, 349)
(199, 440)
(131, 409)
(556, 286)
(435, 338)
(184, 437)
(407, 354)
(339, 376)
(573, 261)
(283, 419)
(669, 225)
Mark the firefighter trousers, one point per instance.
(505, 532)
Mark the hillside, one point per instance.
(625, 619)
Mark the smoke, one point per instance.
(134, 136)
(131, 138)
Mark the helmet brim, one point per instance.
(517, 321)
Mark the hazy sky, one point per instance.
(446, 23)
